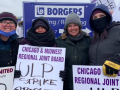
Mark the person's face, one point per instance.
(98, 15)
(40, 30)
(73, 29)
(7, 25)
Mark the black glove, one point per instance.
(112, 66)
(17, 74)
(63, 74)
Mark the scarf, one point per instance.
(77, 38)
(41, 39)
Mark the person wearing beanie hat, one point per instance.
(40, 23)
(105, 46)
(8, 16)
(8, 41)
(75, 20)
(77, 45)
(40, 34)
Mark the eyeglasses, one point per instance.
(4, 23)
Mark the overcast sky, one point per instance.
(15, 6)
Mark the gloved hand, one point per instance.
(17, 73)
(63, 74)
(112, 66)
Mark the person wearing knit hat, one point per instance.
(75, 20)
(40, 23)
(8, 24)
(77, 45)
(105, 46)
(8, 16)
(40, 34)
(8, 41)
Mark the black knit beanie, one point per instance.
(39, 23)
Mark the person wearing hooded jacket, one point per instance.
(19, 30)
(8, 41)
(105, 46)
(40, 34)
(77, 45)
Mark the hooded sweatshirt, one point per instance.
(104, 9)
(101, 51)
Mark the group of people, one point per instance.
(81, 49)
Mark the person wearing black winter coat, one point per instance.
(8, 41)
(77, 45)
(105, 46)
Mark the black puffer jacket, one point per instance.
(101, 51)
(76, 54)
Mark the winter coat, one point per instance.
(76, 54)
(101, 51)
(8, 51)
